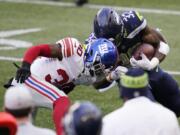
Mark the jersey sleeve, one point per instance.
(68, 46)
(90, 39)
(134, 23)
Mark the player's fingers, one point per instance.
(133, 61)
(143, 56)
(24, 77)
(21, 79)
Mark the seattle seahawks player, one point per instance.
(127, 30)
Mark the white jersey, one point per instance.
(61, 72)
(140, 116)
(48, 71)
(29, 129)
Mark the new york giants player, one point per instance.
(60, 72)
(127, 30)
(67, 63)
(67, 60)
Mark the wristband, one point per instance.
(164, 48)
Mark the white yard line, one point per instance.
(173, 72)
(92, 6)
(14, 43)
(10, 33)
(3, 58)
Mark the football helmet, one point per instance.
(100, 56)
(108, 24)
(83, 118)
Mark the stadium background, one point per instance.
(57, 22)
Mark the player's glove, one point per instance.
(23, 72)
(116, 74)
(144, 63)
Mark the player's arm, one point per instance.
(46, 50)
(101, 84)
(156, 39)
(110, 78)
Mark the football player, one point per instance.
(66, 64)
(127, 30)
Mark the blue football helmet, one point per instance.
(99, 56)
(83, 118)
(108, 24)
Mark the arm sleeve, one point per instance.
(40, 50)
(60, 107)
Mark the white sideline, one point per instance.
(92, 6)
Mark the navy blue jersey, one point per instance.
(134, 23)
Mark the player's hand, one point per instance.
(144, 63)
(23, 72)
(117, 73)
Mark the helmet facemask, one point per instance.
(100, 57)
(96, 68)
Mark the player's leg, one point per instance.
(165, 90)
(47, 95)
(60, 107)
(43, 93)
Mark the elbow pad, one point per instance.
(164, 48)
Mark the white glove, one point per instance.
(144, 63)
(116, 74)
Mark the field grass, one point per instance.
(160, 4)
(59, 22)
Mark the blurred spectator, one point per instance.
(81, 2)
(8, 125)
(82, 118)
(139, 115)
(19, 103)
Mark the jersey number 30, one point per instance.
(63, 77)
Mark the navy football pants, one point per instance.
(165, 89)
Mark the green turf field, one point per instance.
(160, 4)
(58, 22)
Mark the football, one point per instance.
(145, 48)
